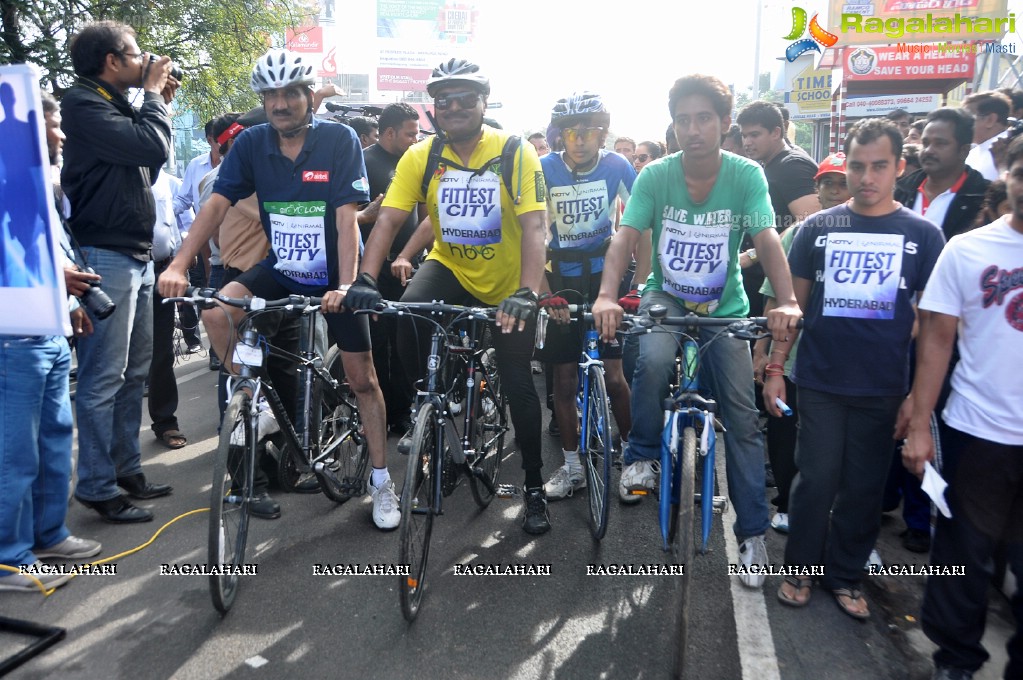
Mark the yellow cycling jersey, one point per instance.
(476, 231)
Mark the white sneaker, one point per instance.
(267, 424)
(71, 548)
(564, 482)
(753, 551)
(873, 561)
(22, 582)
(780, 522)
(640, 477)
(385, 505)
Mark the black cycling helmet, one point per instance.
(580, 107)
(458, 71)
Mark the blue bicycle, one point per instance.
(689, 434)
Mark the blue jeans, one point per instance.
(35, 431)
(726, 368)
(113, 364)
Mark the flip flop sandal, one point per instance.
(854, 595)
(173, 439)
(799, 583)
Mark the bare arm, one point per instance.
(173, 280)
(933, 352)
(781, 347)
(347, 254)
(401, 268)
(643, 256)
(607, 314)
(804, 206)
(784, 317)
(534, 251)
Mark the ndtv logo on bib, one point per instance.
(315, 175)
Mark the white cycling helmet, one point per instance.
(280, 68)
(455, 71)
(580, 107)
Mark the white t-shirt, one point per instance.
(979, 279)
(980, 158)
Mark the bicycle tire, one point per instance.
(597, 454)
(335, 416)
(229, 512)
(682, 545)
(417, 498)
(489, 427)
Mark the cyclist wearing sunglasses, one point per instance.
(585, 184)
(488, 247)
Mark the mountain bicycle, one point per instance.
(328, 441)
(460, 421)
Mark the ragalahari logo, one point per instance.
(818, 36)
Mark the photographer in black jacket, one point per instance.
(112, 156)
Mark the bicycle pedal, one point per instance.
(638, 492)
(508, 491)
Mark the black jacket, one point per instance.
(112, 156)
(964, 208)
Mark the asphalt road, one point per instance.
(288, 622)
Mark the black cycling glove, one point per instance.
(363, 293)
(520, 305)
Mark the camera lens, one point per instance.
(98, 302)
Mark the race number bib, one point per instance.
(469, 207)
(862, 274)
(581, 214)
(694, 263)
(298, 241)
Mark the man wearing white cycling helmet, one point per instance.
(309, 177)
(486, 203)
(585, 184)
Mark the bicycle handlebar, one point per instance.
(207, 296)
(434, 307)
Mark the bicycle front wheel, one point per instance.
(682, 543)
(490, 422)
(343, 455)
(597, 454)
(417, 498)
(229, 499)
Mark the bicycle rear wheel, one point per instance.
(417, 498)
(343, 455)
(489, 426)
(597, 454)
(682, 543)
(229, 499)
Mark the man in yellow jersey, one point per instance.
(488, 245)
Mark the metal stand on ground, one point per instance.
(47, 636)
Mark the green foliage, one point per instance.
(214, 41)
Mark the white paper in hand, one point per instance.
(934, 486)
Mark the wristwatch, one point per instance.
(344, 287)
(752, 254)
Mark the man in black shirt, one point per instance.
(112, 157)
(398, 130)
(790, 182)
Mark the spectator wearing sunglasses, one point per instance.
(646, 152)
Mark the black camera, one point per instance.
(175, 71)
(95, 300)
(1015, 127)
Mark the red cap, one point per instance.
(833, 163)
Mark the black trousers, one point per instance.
(781, 446)
(163, 385)
(394, 382)
(985, 495)
(434, 281)
(187, 312)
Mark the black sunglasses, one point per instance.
(466, 100)
(642, 157)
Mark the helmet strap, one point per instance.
(301, 128)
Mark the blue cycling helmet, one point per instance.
(580, 107)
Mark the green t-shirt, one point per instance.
(696, 245)
(767, 290)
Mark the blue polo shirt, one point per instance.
(298, 200)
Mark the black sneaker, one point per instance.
(916, 540)
(405, 443)
(264, 507)
(536, 520)
(769, 476)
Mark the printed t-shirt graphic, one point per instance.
(298, 200)
(469, 205)
(697, 244)
(486, 263)
(862, 274)
(298, 241)
(582, 206)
